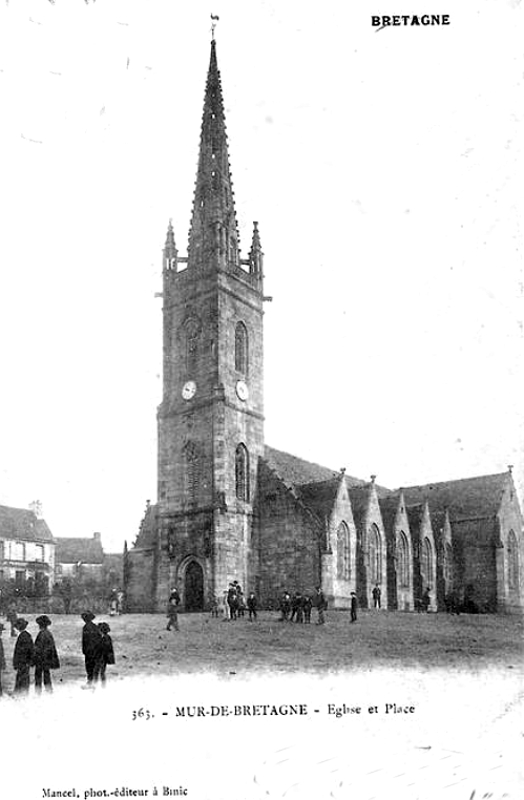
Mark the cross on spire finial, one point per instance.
(214, 20)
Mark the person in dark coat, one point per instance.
(426, 600)
(2, 657)
(91, 644)
(354, 606)
(285, 606)
(23, 656)
(308, 605)
(232, 600)
(252, 606)
(376, 596)
(46, 657)
(107, 653)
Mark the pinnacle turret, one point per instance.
(170, 251)
(256, 256)
(213, 237)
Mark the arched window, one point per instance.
(343, 557)
(242, 473)
(191, 337)
(448, 563)
(513, 561)
(426, 563)
(375, 555)
(241, 350)
(191, 472)
(402, 560)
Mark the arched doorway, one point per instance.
(194, 587)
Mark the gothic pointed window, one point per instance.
(191, 472)
(448, 563)
(241, 348)
(513, 561)
(242, 473)
(426, 563)
(343, 556)
(402, 560)
(375, 555)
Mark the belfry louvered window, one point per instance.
(241, 348)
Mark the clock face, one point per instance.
(242, 390)
(189, 390)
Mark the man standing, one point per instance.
(354, 606)
(376, 596)
(46, 657)
(172, 610)
(2, 657)
(321, 606)
(252, 606)
(23, 656)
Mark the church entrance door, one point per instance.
(194, 587)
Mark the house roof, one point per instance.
(22, 524)
(320, 496)
(466, 498)
(71, 550)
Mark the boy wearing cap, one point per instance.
(23, 656)
(107, 653)
(46, 657)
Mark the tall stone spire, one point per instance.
(213, 237)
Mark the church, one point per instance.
(230, 507)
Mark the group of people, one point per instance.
(234, 604)
(116, 602)
(97, 648)
(41, 653)
(298, 608)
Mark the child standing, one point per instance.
(107, 654)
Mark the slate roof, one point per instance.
(319, 497)
(297, 472)
(71, 550)
(466, 498)
(388, 511)
(22, 524)
(415, 515)
(148, 528)
(359, 496)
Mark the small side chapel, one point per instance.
(231, 508)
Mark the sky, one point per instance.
(385, 171)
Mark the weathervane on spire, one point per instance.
(214, 20)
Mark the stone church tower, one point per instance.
(230, 507)
(210, 421)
